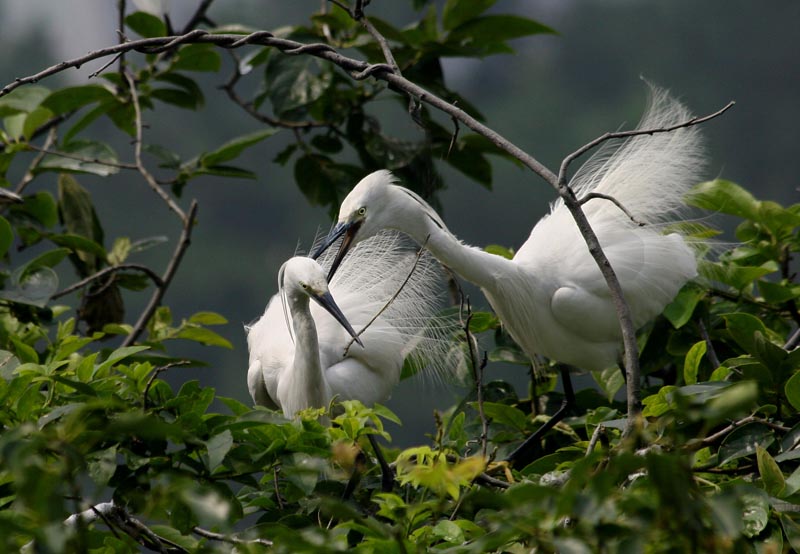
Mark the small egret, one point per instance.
(551, 296)
(314, 361)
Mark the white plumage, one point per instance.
(310, 367)
(551, 296)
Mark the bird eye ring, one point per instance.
(362, 210)
(304, 285)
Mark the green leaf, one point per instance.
(218, 447)
(456, 12)
(776, 293)
(231, 149)
(483, 321)
(26, 354)
(32, 286)
(755, 511)
(771, 474)
(80, 219)
(6, 236)
(79, 244)
(146, 25)
(294, 81)
(744, 441)
(203, 336)
(495, 28)
(610, 380)
(680, 310)
(71, 98)
(34, 120)
(736, 276)
(505, 415)
(50, 258)
(118, 355)
(207, 318)
(691, 363)
(792, 390)
(42, 207)
(197, 57)
(724, 196)
(792, 531)
(24, 99)
(82, 156)
(743, 328)
(177, 97)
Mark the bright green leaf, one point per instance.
(691, 363)
(724, 196)
(771, 474)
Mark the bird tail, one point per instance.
(650, 174)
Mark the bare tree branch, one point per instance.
(153, 376)
(199, 16)
(228, 538)
(169, 274)
(29, 175)
(113, 269)
(477, 375)
(138, 152)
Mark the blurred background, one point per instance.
(555, 94)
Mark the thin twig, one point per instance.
(249, 107)
(121, 9)
(793, 341)
(45, 150)
(113, 269)
(29, 174)
(392, 299)
(712, 354)
(138, 152)
(614, 201)
(453, 138)
(599, 430)
(169, 274)
(711, 439)
(199, 16)
(477, 375)
(637, 132)
(228, 538)
(106, 65)
(156, 372)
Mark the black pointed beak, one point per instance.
(326, 301)
(348, 231)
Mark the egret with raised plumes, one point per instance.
(302, 355)
(552, 297)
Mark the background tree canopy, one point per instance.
(105, 402)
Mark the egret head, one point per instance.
(375, 203)
(304, 276)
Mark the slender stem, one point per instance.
(228, 538)
(113, 269)
(169, 274)
(198, 17)
(477, 375)
(392, 299)
(29, 175)
(46, 150)
(138, 152)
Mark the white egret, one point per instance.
(551, 296)
(307, 368)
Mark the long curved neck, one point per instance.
(422, 223)
(305, 382)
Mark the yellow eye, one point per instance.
(362, 210)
